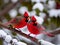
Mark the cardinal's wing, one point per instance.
(40, 27)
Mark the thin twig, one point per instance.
(56, 31)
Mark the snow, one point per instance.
(9, 44)
(38, 6)
(8, 38)
(13, 13)
(14, 1)
(23, 9)
(25, 30)
(41, 14)
(7, 31)
(40, 20)
(33, 13)
(2, 34)
(51, 4)
(43, 42)
(37, 1)
(14, 41)
(23, 38)
(21, 43)
(54, 12)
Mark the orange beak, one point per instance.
(29, 18)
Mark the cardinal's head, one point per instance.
(26, 16)
(37, 19)
(34, 21)
(17, 19)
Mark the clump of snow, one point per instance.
(13, 13)
(23, 9)
(38, 6)
(51, 4)
(41, 14)
(2, 34)
(33, 13)
(25, 30)
(54, 12)
(14, 1)
(40, 20)
(9, 44)
(35, 1)
(14, 41)
(8, 38)
(32, 35)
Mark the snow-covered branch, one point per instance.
(19, 32)
(56, 31)
(9, 40)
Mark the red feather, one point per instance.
(37, 29)
(21, 24)
(26, 14)
(33, 18)
(33, 29)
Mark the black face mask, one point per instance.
(26, 20)
(35, 24)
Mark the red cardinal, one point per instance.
(35, 28)
(20, 21)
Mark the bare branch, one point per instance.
(56, 31)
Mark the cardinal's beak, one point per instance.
(36, 22)
(29, 19)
